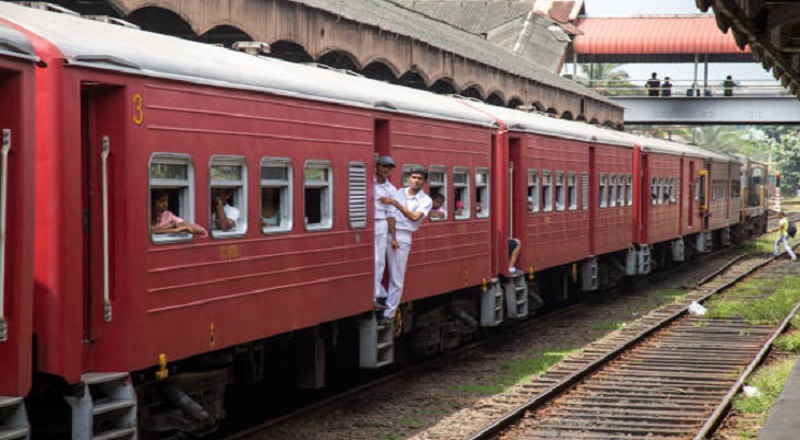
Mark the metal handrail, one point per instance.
(687, 88)
(3, 205)
(106, 289)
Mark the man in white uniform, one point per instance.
(412, 206)
(384, 225)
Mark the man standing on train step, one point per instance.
(384, 225)
(412, 205)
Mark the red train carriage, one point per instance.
(125, 125)
(17, 65)
(676, 205)
(571, 196)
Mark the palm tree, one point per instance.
(608, 79)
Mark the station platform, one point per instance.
(783, 422)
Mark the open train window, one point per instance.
(654, 191)
(660, 191)
(602, 193)
(228, 198)
(437, 181)
(171, 176)
(560, 189)
(572, 191)
(629, 189)
(736, 188)
(533, 191)
(276, 195)
(547, 191)
(612, 190)
(482, 193)
(461, 200)
(621, 190)
(318, 195)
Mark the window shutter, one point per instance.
(357, 194)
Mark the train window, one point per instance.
(171, 176)
(318, 195)
(547, 191)
(481, 193)
(602, 193)
(572, 191)
(533, 191)
(461, 198)
(612, 191)
(660, 198)
(621, 190)
(676, 191)
(736, 188)
(357, 195)
(228, 198)
(560, 196)
(584, 191)
(276, 195)
(437, 182)
(653, 191)
(629, 189)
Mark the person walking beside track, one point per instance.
(783, 236)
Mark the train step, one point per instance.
(492, 304)
(106, 410)
(13, 419)
(376, 342)
(124, 433)
(516, 296)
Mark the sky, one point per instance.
(621, 8)
(745, 73)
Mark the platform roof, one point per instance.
(656, 38)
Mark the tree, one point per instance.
(786, 157)
(608, 79)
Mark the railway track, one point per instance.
(567, 367)
(666, 377)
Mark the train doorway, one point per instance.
(102, 110)
(517, 192)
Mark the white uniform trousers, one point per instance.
(381, 244)
(397, 268)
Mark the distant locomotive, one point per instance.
(104, 321)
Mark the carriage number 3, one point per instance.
(138, 110)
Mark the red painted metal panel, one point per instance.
(614, 226)
(451, 254)
(17, 115)
(663, 219)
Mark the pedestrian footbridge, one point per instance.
(742, 109)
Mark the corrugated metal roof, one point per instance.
(392, 17)
(673, 34)
(105, 46)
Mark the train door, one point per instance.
(517, 196)
(102, 113)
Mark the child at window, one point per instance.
(437, 207)
(163, 221)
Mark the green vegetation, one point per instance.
(788, 342)
(518, 370)
(753, 302)
(769, 381)
(763, 244)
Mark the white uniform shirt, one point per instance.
(416, 203)
(385, 189)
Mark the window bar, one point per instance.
(3, 202)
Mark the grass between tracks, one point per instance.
(757, 301)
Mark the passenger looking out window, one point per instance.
(437, 208)
(276, 205)
(228, 196)
(224, 215)
(270, 207)
(164, 221)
